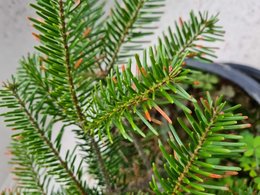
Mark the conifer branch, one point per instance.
(75, 100)
(60, 108)
(188, 170)
(24, 167)
(67, 63)
(30, 73)
(123, 26)
(190, 42)
(195, 153)
(47, 141)
(124, 35)
(130, 102)
(201, 28)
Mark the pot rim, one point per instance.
(247, 83)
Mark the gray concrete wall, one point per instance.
(241, 20)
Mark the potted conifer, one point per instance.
(136, 133)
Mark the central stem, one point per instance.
(75, 101)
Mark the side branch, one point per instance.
(49, 144)
(130, 103)
(194, 155)
(123, 36)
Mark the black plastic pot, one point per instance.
(245, 77)
(252, 72)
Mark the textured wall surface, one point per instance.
(241, 21)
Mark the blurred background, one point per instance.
(240, 19)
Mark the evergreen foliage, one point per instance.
(120, 120)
